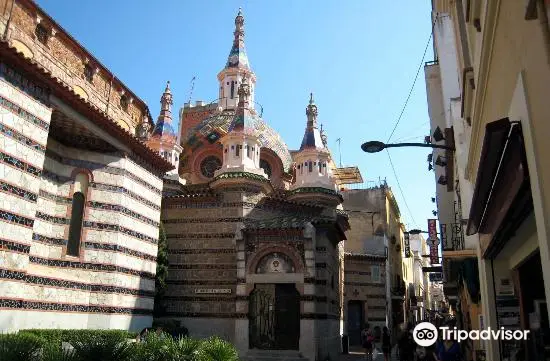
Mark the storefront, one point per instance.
(502, 214)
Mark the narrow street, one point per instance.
(357, 354)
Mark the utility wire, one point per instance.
(414, 82)
(401, 189)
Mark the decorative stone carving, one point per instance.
(309, 230)
(143, 130)
(275, 263)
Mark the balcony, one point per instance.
(452, 236)
(398, 288)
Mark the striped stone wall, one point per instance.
(202, 276)
(360, 285)
(111, 283)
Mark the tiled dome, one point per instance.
(215, 126)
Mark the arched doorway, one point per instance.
(274, 317)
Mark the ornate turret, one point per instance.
(236, 68)
(314, 180)
(241, 147)
(163, 138)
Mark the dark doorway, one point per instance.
(355, 322)
(534, 308)
(274, 317)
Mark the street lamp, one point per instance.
(375, 146)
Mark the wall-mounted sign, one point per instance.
(407, 242)
(213, 290)
(504, 287)
(433, 242)
(443, 235)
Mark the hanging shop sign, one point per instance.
(407, 242)
(433, 241)
(443, 235)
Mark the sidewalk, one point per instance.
(358, 354)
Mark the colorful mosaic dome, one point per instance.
(164, 130)
(217, 125)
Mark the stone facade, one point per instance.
(54, 143)
(373, 270)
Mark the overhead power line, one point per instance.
(401, 189)
(414, 82)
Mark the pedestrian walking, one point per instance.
(386, 344)
(449, 350)
(406, 344)
(367, 340)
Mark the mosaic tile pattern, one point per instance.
(89, 266)
(220, 123)
(116, 228)
(203, 266)
(52, 219)
(55, 282)
(15, 219)
(65, 307)
(20, 192)
(19, 164)
(203, 282)
(21, 138)
(119, 249)
(78, 163)
(14, 246)
(118, 189)
(49, 240)
(16, 79)
(122, 209)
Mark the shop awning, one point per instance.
(502, 191)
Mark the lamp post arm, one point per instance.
(424, 145)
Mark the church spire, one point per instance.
(236, 69)
(166, 104)
(163, 128)
(312, 136)
(237, 56)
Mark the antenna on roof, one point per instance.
(192, 87)
(339, 140)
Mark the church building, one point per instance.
(254, 230)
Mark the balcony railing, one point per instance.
(452, 237)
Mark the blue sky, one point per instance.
(358, 57)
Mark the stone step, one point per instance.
(273, 355)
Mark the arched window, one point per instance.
(310, 166)
(232, 89)
(77, 214)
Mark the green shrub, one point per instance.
(188, 349)
(155, 347)
(216, 349)
(57, 336)
(14, 347)
(55, 352)
(100, 347)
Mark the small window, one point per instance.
(124, 102)
(75, 228)
(237, 153)
(41, 34)
(232, 89)
(375, 273)
(310, 167)
(319, 167)
(89, 73)
(247, 151)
